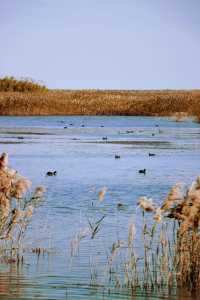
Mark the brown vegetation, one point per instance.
(162, 252)
(16, 209)
(11, 84)
(28, 98)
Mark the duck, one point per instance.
(152, 154)
(117, 156)
(51, 173)
(129, 131)
(143, 171)
(120, 205)
(104, 138)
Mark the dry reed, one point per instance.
(99, 102)
(164, 252)
(11, 84)
(16, 209)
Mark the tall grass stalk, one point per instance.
(164, 252)
(177, 104)
(16, 209)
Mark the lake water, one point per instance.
(83, 154)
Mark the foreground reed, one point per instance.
(16, 209)
(165, 251)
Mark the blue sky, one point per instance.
(106, 44)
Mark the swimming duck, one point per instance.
(143, 171)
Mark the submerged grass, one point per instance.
(179, 104)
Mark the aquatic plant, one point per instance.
(101, 102)
(164, 251)
(11, 84)
(102, 193)
(16, 209)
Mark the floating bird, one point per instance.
(117, 156)
(104, 138)
(152, 154)
(65, 127)
(129, 131)
(143, 171)
(51, 173)
(120, 205)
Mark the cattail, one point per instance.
(194, 189)
(175, 195)
(198, 182)
(29, 212)
(20, 187)
(39, 191)
(115, 248)
(131, 233)
(11, 172)
(74, 245)
(170, 279)
(5, 182)
(184, 227)
(83, 233)
(18, 214)
(3, 160)
(158, 215)
(4, 205)
(146, 204)
(102, 193)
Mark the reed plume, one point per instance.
(15, 209)
(169, 243)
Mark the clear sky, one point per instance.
(107, 44)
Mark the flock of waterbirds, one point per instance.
(105, 138)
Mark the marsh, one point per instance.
(85, 166)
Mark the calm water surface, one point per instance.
(85, 163)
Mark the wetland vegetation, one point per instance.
(111, 232)
(25, 97)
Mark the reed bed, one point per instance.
(99, 102)
(11, 84)
(17, 206)
(164, 252)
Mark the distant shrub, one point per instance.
(11, 84)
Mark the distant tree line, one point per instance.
(11, 84)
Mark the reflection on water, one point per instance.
(83, 153)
